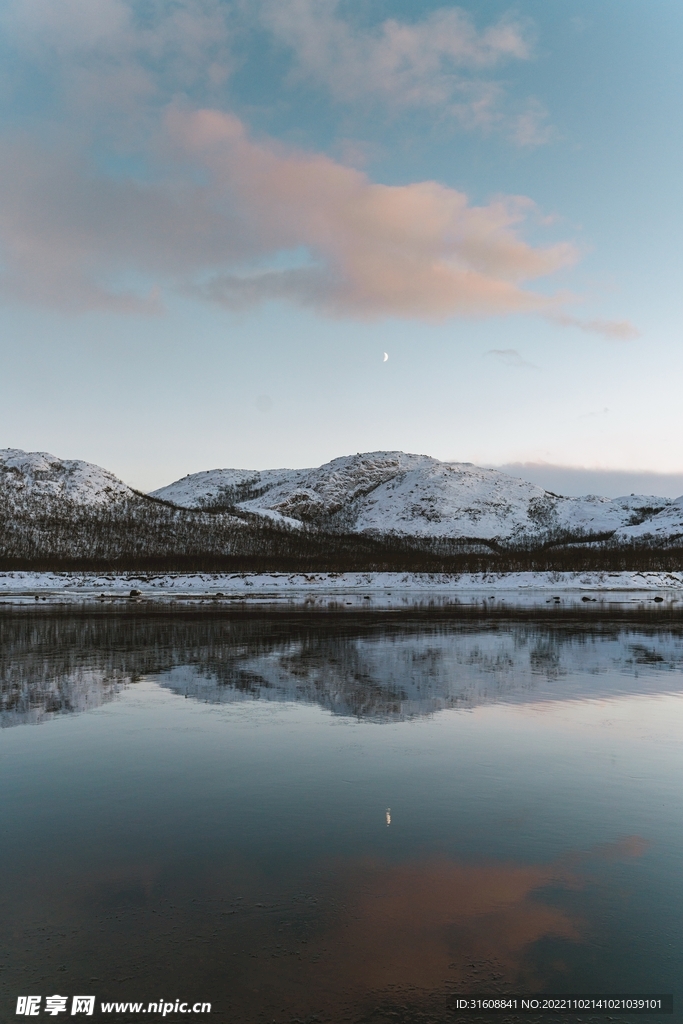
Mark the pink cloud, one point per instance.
(71, 239)
(615, 330)
(217, 211)
(418, 250)
(227, 205)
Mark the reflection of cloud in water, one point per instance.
(428, 926)
(328, 936)
(420, 924)
(378, 670)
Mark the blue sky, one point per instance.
(215, 218)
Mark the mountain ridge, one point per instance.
(385, 493)
(419, 496)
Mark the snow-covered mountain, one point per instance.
(38, 476)
(375, 493)
(415, 495)
(56, 511)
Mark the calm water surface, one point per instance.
(334, 819)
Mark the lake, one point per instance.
(337, 818)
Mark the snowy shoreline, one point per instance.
(370, 591)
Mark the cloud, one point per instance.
(614, 330)
(611, 483)
(418, 250)
(226, 204)
(132, 191)
(72, 239)
(111, 58)
(511, 357)
(437, 61)
(120, 57)
(531, 128)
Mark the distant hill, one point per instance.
(29, 477)
(382, 511)
(418, 496)
(68, 513)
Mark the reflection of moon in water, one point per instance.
(385, 357)
(388, 815)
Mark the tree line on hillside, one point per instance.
(144, 534)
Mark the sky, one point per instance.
(217, 216)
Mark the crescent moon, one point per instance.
(385, 357)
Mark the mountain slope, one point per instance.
(62, 513)
(415, 495)
(664, 525)
(40, 477)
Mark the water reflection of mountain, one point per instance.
(369, 669)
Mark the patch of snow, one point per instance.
(665, 524)
(367, 590)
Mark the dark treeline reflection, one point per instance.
(368, 668)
